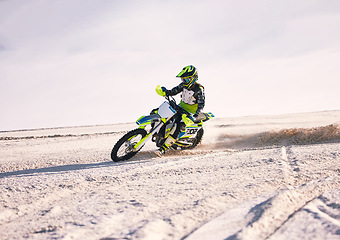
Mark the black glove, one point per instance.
(165, 90)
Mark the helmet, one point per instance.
(189, 76)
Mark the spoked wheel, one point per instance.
(195, 141)
(124, 148)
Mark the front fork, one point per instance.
(142, 142)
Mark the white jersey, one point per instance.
(188, 96)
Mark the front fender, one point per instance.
(146, 120)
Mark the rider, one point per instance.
(193, 101)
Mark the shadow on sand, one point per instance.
(141, 157)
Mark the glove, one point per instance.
(161, 91)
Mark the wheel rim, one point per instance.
(128, 146)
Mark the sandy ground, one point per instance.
(265, 177)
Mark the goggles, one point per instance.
(187, 79)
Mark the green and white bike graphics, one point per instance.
(157, 127)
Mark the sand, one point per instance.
(256, 177)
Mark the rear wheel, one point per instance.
(124, 148)
(196, 141)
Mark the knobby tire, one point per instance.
(127, 140)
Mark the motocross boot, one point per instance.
(167, 144)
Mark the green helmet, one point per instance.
(189, 76)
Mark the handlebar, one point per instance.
(172, 102)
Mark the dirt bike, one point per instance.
(158, 126)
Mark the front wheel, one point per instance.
(124, 148)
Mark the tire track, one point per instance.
(320, 217)
(261, 220)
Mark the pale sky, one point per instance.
(85, 62)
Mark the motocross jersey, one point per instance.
(193, 99)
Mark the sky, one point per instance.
(89, 62)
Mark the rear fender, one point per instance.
(205, 116)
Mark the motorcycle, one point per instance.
(158, 126)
